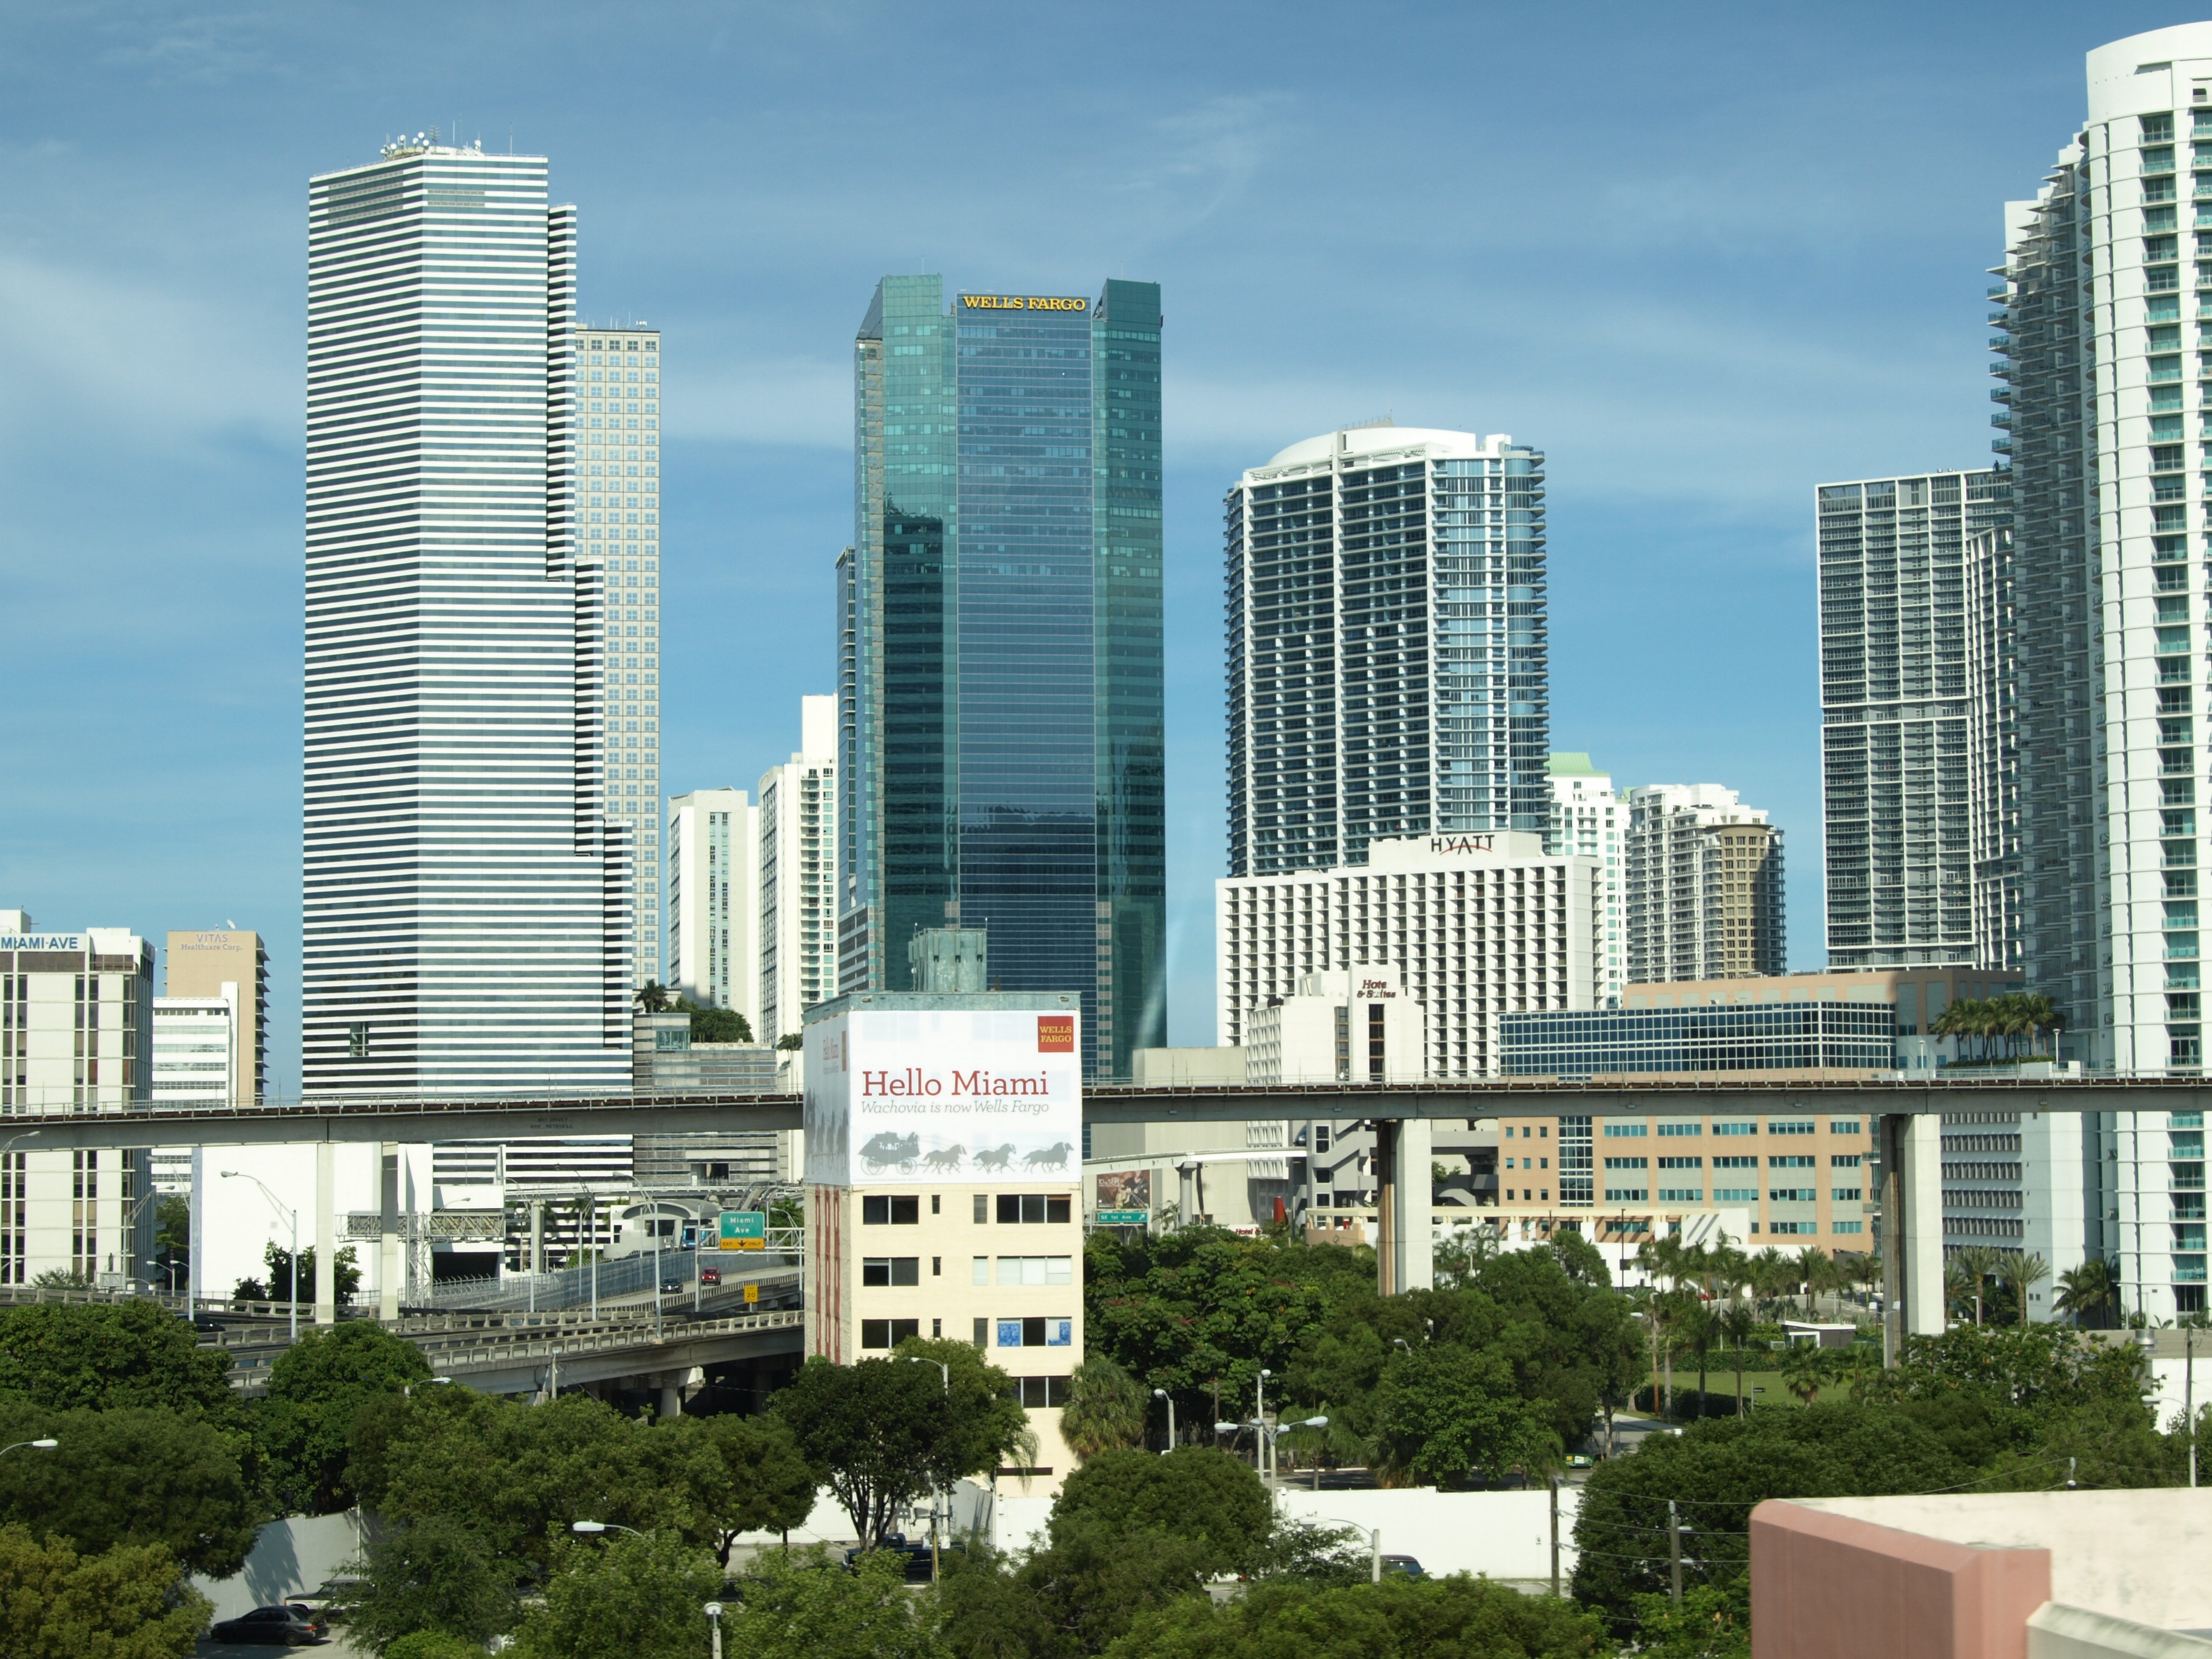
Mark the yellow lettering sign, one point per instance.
(1022, 302)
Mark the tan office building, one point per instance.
(232, 963)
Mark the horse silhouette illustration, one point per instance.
(948, 1157)
(1054, 1156)
(883, 1151)
(998, 1157)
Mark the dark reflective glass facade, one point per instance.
(1000, 637)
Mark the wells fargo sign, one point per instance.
(1021, 302)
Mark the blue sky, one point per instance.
(1704, 257)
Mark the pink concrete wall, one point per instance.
(1826, 1587)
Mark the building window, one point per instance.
(1034, 1207)
(888, 1333)
(1846, 1126)
(1849, 1227)
(881, 1210)
(1789, 1127)
(1036, 1333)
(891, 1270)
(1040, 1392)
(1036, 1270)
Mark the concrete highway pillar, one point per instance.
(1404, 1250)
(1920, 1182)
(326, 1234)
(1912, 1228)
(671, 1393)
(388, 1243)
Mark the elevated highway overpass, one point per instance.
(1908, 1113)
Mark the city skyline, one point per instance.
(1650, 537)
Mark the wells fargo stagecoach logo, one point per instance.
(1021, 302)
(1055, 1034)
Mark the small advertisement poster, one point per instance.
(1125, 1198)
(899, 1097)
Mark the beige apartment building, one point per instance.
(1918, 996)
(232, 964)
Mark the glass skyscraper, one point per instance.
(1000, 747)
(1388, 669)
(1905, 772)
(467, 904)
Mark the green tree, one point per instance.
(798, 1606)
(432, 1644)
(710, 1025)
(1446, 1415)
(129, 1602)
(434, 1574)
(653, 997)
(791, 1042)
(131, 1477)
(97, 1356)
(1452, 1616)
(2021, 1272)
(1105, 1410)
(1709, 1622)
(729, 1474)
(1737, 1323)
(882, 1432)
(1718, 1469)
(1805, 1370)
(622, 1597)
(316, 1389)
(345, 1277)
(1074, 1597)
(1206, 1497)
(2088, 1292)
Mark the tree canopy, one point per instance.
(1208, 1498)
(128, 1602)
(96, 1356)
(132, 1476)
(1401, 1618)
(316, 1389)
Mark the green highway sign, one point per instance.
(745, 1229)
(1124, 1218)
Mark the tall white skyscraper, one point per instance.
(714, 901)
(799, 874)
(2109, 626)
(1900, 739)
(1589, 821)
(1386, 654)
(1703, 885)
(618, 531)
(467, 905)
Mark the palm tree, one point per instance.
(1105, 1409)
(2087, 1290)
(1737, 1324)
(1957, 1289)
(2022, 1271)
(1804, 1369)
(653, 997)
(1980, 1264)
(1817, 1273)
(1771, 1274)
(1701, 1327)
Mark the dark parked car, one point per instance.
(282, 1627)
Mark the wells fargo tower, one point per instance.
(999, 647)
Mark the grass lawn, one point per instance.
(1720, 1385)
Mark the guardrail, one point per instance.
(463, 1351)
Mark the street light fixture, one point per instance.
(407, 1389)
(35, 1445)
(592, 1527)
(1162, 1394)
(713, 1611)
(233, 1175)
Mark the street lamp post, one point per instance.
(945, 1373)
(1162, 1394)
(1374, 1545)
(715, 1618)
(1260, 1414)
(590, 1528)
(233, 1175)
(35, 1445)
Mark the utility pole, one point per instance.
(1674, 1551)
(1555, 1535)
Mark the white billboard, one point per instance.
(910, 1098)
